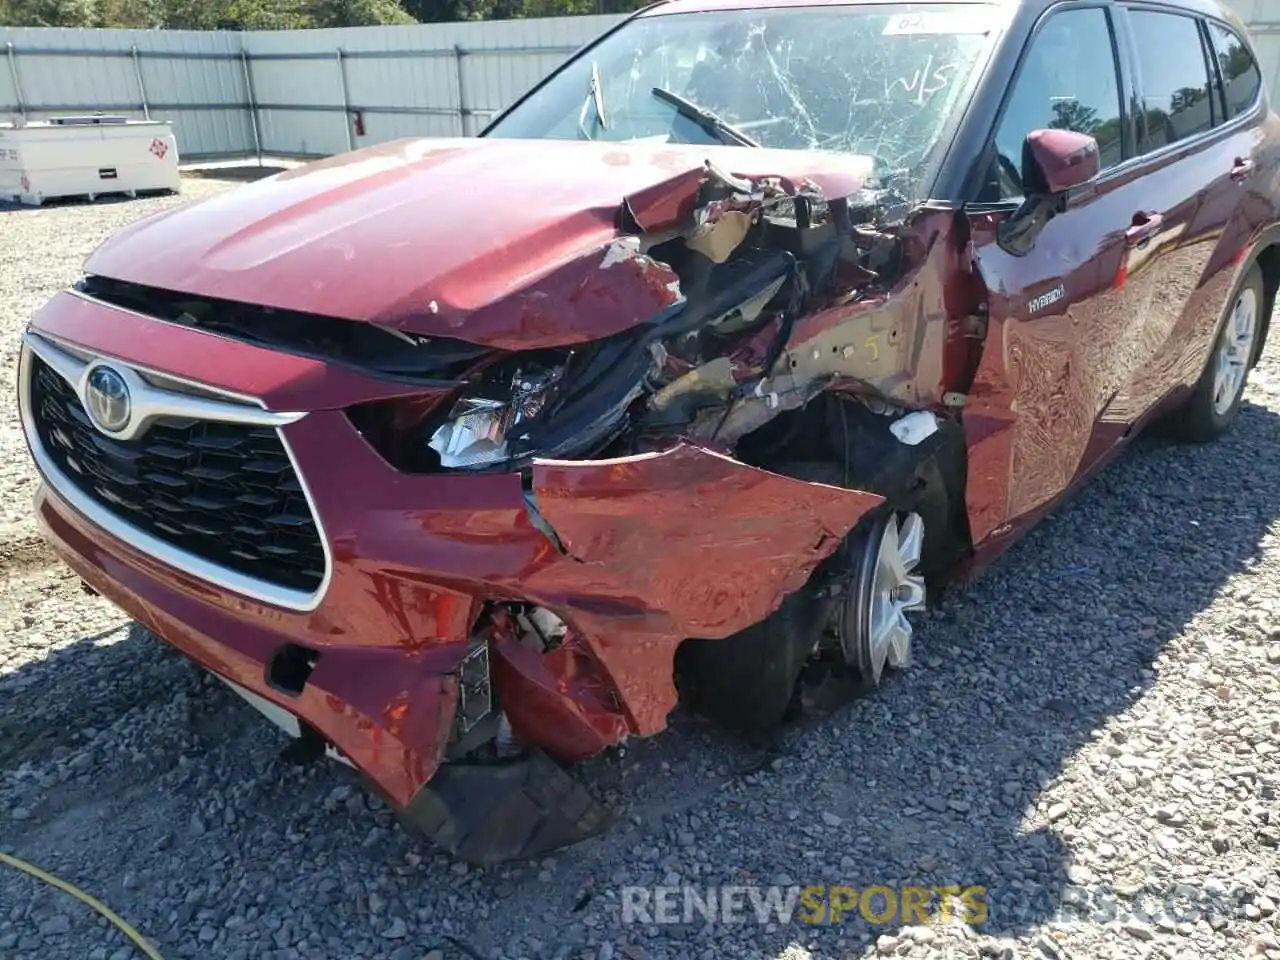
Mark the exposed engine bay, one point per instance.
(714, 365)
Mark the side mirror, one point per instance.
(1053, 163)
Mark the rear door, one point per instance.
(1064, 318)
(1202, 101)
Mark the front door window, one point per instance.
(1067, 81)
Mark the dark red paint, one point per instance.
(415, 556)
(1063, 159)
(507, 255)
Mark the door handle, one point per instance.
(1145, 226)
(1241, 169)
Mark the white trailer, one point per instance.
(86, 156)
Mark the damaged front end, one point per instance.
(632, 397)
(581, 487)
(743, 263)
(692, 472)
(496, 798)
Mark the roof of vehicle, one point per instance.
(1211, 8)
(694, 6)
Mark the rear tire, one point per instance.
(1216, 399)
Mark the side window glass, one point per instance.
(1174, 76)
(1240, 73)
(1067, 81)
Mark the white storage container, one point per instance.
(86, 156)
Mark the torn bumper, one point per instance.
(513, 810)
(652, 550)
(656, 549)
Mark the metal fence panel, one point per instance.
(193, 78)
(426, 80)
(1263, 20)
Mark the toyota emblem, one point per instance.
(107, 399)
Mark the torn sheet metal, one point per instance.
(421, 257)
(683, 543)
(576, 303)
(560, 699)
(620, 251)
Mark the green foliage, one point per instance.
(357, 13)
(51, 13)
(285, 14)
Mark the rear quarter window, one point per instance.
(1241, 78)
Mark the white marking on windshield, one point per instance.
(937, 22)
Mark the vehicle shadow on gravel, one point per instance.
(926, 783)
(47, 706)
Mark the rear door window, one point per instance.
(1240, 75)
(1174, 78)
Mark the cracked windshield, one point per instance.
(878, 81)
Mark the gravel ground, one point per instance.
(1096, 718)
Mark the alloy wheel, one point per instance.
(885, 587)
(1235, 349)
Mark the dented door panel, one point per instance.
(1196, 274)
(1062, 342)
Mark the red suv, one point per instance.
(460, 457)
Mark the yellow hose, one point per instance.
(137, 938)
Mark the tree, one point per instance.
(1073, 115)
(285, 14)
(357, 13)
(445, 11)
(202, 14)
(1186, 97)
(130, 14)
(51, 13)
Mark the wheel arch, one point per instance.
(1267, 258)
(840, 440)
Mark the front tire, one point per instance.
(884, 586)
(747, 682)
(1216, 399)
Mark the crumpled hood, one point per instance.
(501, 242)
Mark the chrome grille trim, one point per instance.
(154, 402)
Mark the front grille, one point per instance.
(224, 492)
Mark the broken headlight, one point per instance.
(477, 431)
(552, 403)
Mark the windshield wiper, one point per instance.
(595, 97)
(597, 94)
(707, 120)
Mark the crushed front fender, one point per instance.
(679, 544)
